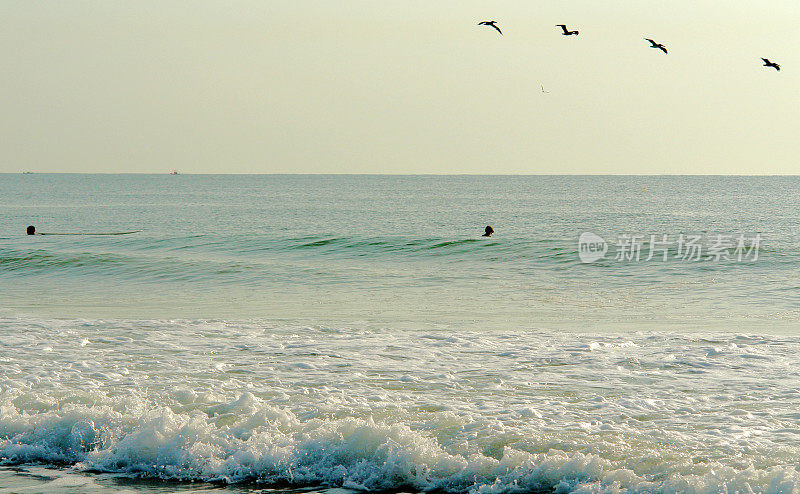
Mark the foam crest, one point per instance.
(499, 412)
(263, 443)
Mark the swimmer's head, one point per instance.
(31, 230)
(488, 232)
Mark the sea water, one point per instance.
(358, 333)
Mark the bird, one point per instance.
(491, 23)
(566, 32)
(767, 63)
(656, 45)
(544, 90)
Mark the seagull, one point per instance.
(491, 23)
(656, 45)
(544, 90)
(566, 33)
(767, 63)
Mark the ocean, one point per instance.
(346, 333)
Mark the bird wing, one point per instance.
(662, 48)
(651, 41)
(766, 60)
(563, 27)
(498, 29)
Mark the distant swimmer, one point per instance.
(489, 230)
(653, 44)
(767, 63)
(491, 23)
(566, 32)
(31, 230)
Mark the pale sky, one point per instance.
(367, 86)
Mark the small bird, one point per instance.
(491, 23)
(566, 32)
(656, 45)
(544, 90)
(767, 63)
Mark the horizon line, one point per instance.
(423, 174)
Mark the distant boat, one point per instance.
(25, 173)
(174, 172)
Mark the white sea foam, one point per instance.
(376, 410)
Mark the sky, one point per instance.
(412, 86)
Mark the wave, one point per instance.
(247, 440)
(243, 259)
(259, 259)
(126, 266)
(415, 410)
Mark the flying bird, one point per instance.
(653, 44)
(544, 90)
(491, 23)
(566, 32)
(767, 63)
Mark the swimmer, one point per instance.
(489, 231)
(31, 230)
